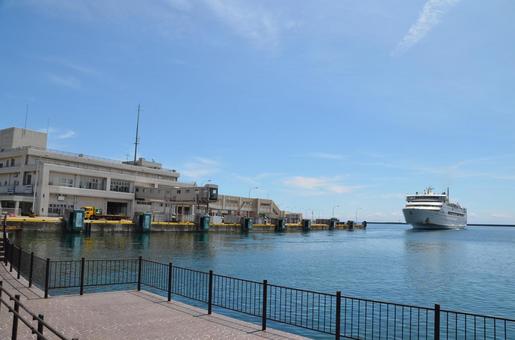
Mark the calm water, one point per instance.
(471, 269)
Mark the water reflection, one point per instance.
(468, 269)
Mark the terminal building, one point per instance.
(36, 180)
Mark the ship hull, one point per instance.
(433, 219)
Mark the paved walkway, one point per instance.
(126, 315)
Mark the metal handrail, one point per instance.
(27, 310)
(308, 312)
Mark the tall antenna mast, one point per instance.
(136, 142)
(26, 118)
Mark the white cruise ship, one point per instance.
(434, 211)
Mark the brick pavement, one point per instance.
(126, 315)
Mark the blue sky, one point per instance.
(317, 103)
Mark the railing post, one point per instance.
(40, 326)
(4, 240)
(11, 252)
(19, 263)
(264, 305)
(6, 250)
(210, 294)
(437, 322)
(31, 268)
(338, 314)
(82, 265)
(140, 260)
(14, 334)
(47, 276)
(170, 268)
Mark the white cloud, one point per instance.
(429, 17)
(66, 135)
(70, 82)
(318, 185)
(253, 23)
(326, 155)
(200, 167)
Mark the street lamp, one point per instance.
(336, 206)
(356, 218)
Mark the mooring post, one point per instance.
(210, 294)
(437, 322)
(82, 265)
(47, 276)
(338, 314)
(264, 305)
(140, 260)
(170, 278)
(31, 268)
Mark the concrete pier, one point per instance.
(125, 315)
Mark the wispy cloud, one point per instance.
(68, 81)
(73, 66)
(318, 185)
(429, 17)
(66, 135)
(326, 155)
(253, 23)
(200, 167)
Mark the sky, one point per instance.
(320, 105)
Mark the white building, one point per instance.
(39, 181)
(36, 180)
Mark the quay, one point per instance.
(57, 224)
(123, 315)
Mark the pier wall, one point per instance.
(57, 225)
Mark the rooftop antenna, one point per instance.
(26, 118)
(136, 142)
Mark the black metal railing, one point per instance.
(328, 313)
(20, 313)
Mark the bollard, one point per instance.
(31, 268)
(1, 289)
(170, 278)
(210, 293)
(338, 314)
(14, 334)
(263, 312)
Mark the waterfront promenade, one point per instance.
(125, 315)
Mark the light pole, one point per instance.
(356, 217)
(336, 206)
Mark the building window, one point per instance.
(93, 183)
(120, 185)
